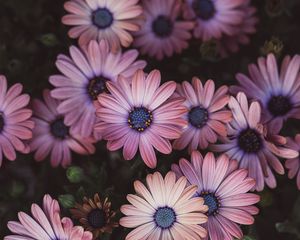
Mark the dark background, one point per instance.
(31, 36)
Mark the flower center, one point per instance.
(96, 218)
(250, 141)
(198, 117)
(164, 217)
(140, 118)
(279, 105)
(59, 129)
(102, 18)
(204, 9)
(2, 122)
(162, 26)
(96, 86)
(211, 201)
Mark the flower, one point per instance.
(251, 145)
(46, 224)
(293, 165)
(140, 116)
(214, 18)
(162, 33)
(84, 78)
(207, 116)
(15, 124)
(96, 20)
(230, 44)
(165, 209)
(278, 93)
(224, 189)
(52, 137)
(95, 215)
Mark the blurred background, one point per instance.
(31, 36)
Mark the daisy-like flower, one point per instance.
(224, 189)
(162, 33)
(15, 124)
(165, 209)
(206, 117)
(95, 215)
(84, 77)
(214, 17)
(251, 146)
(231, 44)
(46, 224)
(279, 93)
(52, 137)
(140, 116)
(112, 20)
(293, 165)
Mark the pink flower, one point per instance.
(15, 124)
(52, 136)
(250, 144)
(278, 92)
(224, 189)
(96, 20)
(84, 77)
(214, 17)
(46, 224)
(207, 116)
(165, 209)
(230, 44)
(293, 165)
(162, 33)
(140, 116)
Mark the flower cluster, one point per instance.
(103, 93)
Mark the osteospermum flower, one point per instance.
(84, 77)
(15, 124)
(213, 17)
(231, 44)
(96, 20)
(165, 209)
(207, 116)
(247, 142)
(95, 215)
(224, 189)
(293, 165)
(46, 224)
(52, 137)
(277, 92)
(162, 33)
(140, 116)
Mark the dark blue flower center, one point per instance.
(96, 86)
(102, 18)
(162, 26)
(96, 218)
(211, 201)
(140, 119)
(250, 141)
(279, 105)
(198, 116)
(59, 129)
(2, 122)
(164, 217)
(204, 9)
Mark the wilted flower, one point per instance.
(95, 215)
